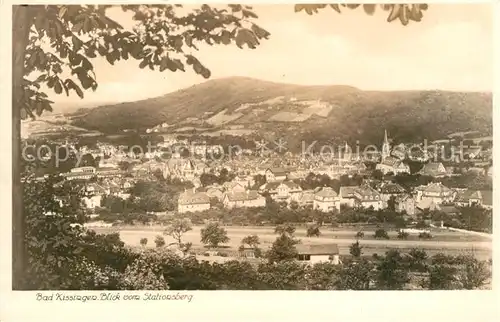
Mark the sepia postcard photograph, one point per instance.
(166, 148)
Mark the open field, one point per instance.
(452, 243)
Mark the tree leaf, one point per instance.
(58, 28)
(235, 7)
(335, 7)
(352, 5)
(62, 11)
(225, 37)
(246, 36)
(403, 15)
(41, 78)
(72, 85)
(46, 106)
(90, 52)
(87, 25)
(248, 13)
(50, 82)
(42, 59)
(75, 59)
(110, 59)
(179, 65)
(77, 43)
(198, 68)
(163, 64)
(259, 32)
(57, 86)
(369, 9)
(77, 27)
(57, 68)
(188, 40)
(86, 64)
(299, 7)
(394, 13)
(38, 108)
(415, 13)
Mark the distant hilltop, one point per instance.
(246, 106)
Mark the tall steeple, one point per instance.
(386, 149)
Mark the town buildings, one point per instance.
(192, 201)
(284, 191)
(388, 190)
(360, 196)
(326, 200)
(248, 198)
(321, 253)
(434, 193)
(275, 174)
(434, 169)
(391, 164)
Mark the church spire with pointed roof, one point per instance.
(386, 149)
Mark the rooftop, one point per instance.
(435, 187)
(321, 249)
(243, 196)
(189, 198)
(326, 192)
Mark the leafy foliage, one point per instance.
(391, 272)
(355, 250)
(403, 12)
(313, 231)
(381, 234)
(474, 274)
(154, 196)
(442, 277)
(403, 234)
(355, 276)
(159, 241)
(163, 39)
(144, 273)
(252, 241)
(213, 235)
(284, 229)
(424, 235)
(62, 254)
(283, 249)
(283, 275)
(178, 228)
(143, 241)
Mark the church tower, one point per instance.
(386, 149)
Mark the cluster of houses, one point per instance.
(281, 177)
(281, 186)
(89, 172)
(96, 191)
(434, 196)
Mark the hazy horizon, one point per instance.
(450, 50)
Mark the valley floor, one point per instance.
(448, 242)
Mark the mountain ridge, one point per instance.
(339, 111)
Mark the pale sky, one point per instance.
(450, 49)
